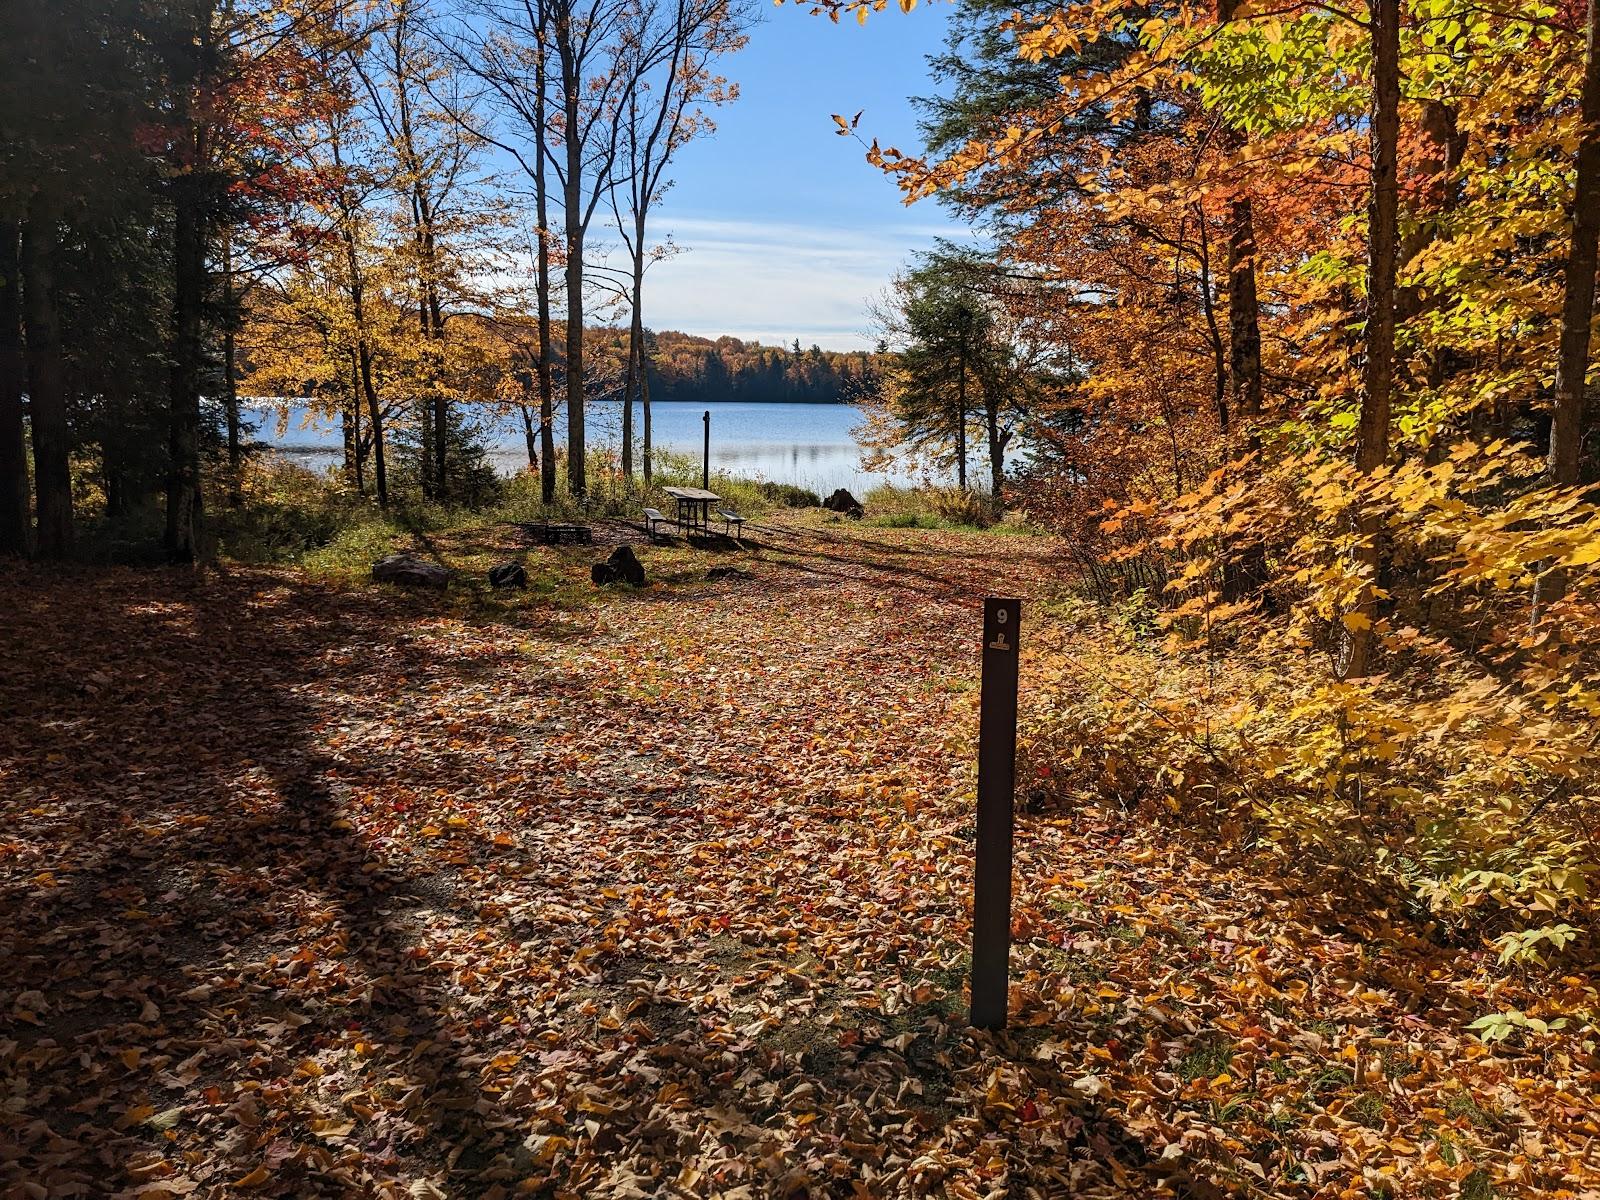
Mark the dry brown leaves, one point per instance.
(325, 891)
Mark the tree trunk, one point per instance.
(547, 407)
(576, 482)
(354, 409)
(1219, 353)
(47, 399)
(194, 188)
(184, 502)
(114, 476)
(547, 434)
(961, 425)
(441, 402)
(15, 524)
(635, 371)
(230, 399)
(1244, 310)
(356, 288)
(1372, 446)
(348, 437)
(627, 405)
(644, 395)
(572, 114)
(380, 476)
(529, 433)
(230, 377)
(424, 417)
(997, 449)
(1577, 308)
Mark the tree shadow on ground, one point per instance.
(239, 952)
(202, 877)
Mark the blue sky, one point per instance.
(785, 229)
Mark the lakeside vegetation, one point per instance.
(291, 515)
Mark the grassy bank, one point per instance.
(290, 515)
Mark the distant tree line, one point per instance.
(684, 367)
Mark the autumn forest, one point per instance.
(607, 828)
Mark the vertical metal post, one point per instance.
(705, 468)
(997, 754)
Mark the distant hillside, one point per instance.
(685, 367)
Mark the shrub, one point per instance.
(287, 510)
(894, 507)
(958, 507)
(790, 496)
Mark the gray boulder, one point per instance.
(622, 567)
(407, 571)
(508, 575)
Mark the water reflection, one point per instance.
(810, 445)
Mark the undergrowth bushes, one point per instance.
(286, 511)
(1262, 753)
(1460, 777)
(893, 507)
(291, 514)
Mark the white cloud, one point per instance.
(775, 281)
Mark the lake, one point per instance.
(805, 444)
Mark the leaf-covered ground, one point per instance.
(313, 888)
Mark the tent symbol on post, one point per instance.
(1000, 642)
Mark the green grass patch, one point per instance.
(1462, 1105)
(1205, 1061)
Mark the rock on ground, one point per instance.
(411, 572)
(622, 567)
(843, 502)
(508, 575)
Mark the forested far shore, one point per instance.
(689, 368)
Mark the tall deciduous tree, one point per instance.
(590, 39)
(413, 95)
(670, 84)
(1577, 310)
(1244, 310)
(1383, 245)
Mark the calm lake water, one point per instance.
(805, 444)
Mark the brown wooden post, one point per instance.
(705, 465)
(997, 753)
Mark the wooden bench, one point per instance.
(654, 517)
(731, 521)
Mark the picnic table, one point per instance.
(694, 507)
